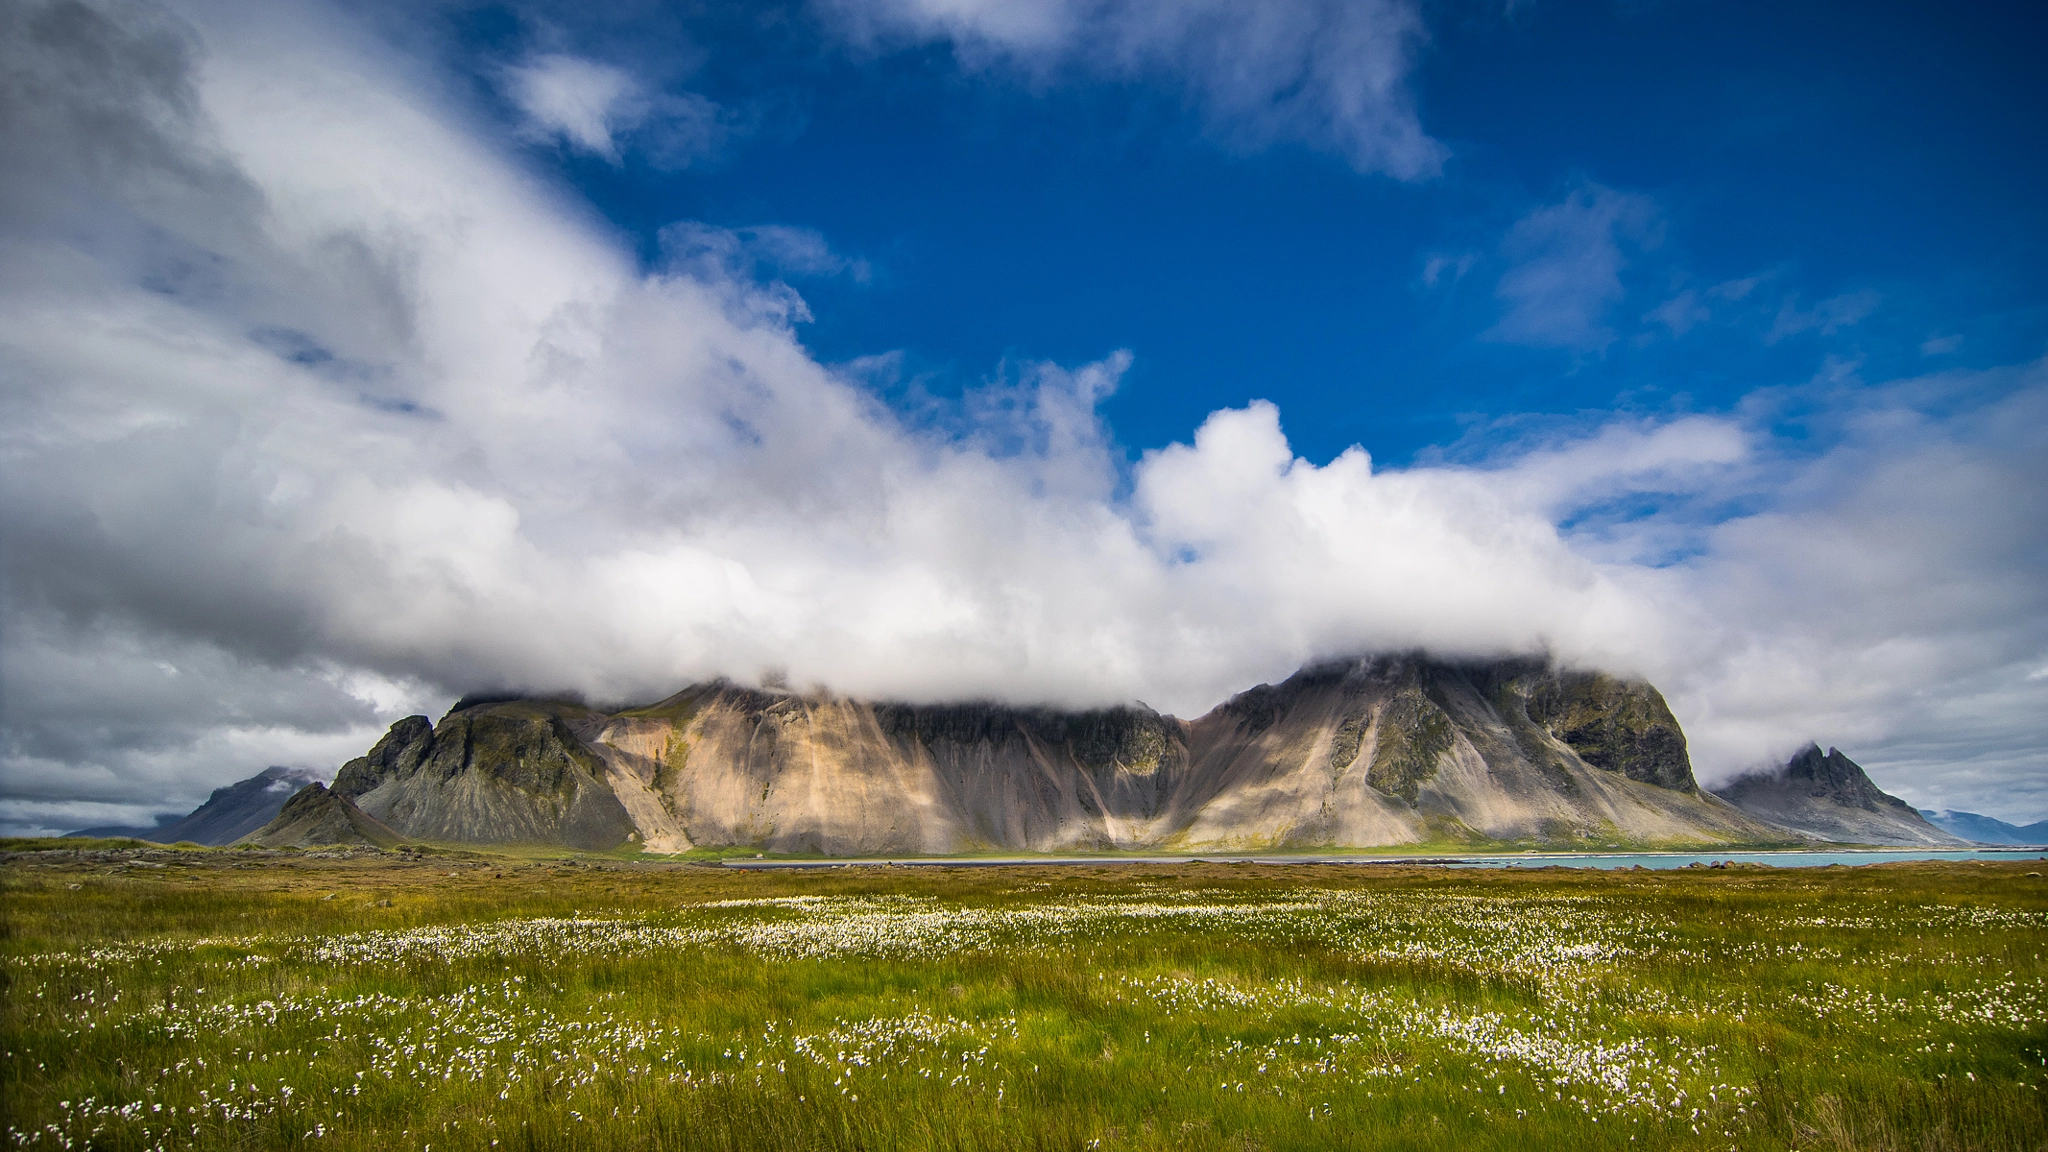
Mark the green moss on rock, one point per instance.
(1347, 740)
(1107, 739)
(1620, 725)
(397, 753)
(1413, 736)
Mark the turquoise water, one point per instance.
(1774, 859)
(1803, 859)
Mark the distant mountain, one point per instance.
(1360, 753)
(316, 817)
(1829, 797)
(228, 815)
(1986, 830)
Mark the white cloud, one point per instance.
(1682, 313)
(1565, 268)
(105, 723)
(1331, 74)
(743, 253)
(600, 109)
(580, 101)
(1884, 596)
(322, 402)
(1736, 289)
(1447, 270)
(1827, 317)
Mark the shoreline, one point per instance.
(1795, 857)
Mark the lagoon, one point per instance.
(1813, 858)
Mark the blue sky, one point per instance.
(1055, 351)
(1869, 178)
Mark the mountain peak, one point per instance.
(1826, 795)
(231, 812)
(1985, 829)
(316, 816)
(1835, 777)
(1608, 722)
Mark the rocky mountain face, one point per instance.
(514, 772)
(1408, 750)
(317, 817)
(229, 814)
(1829, 797)
(719, 764)
(1371, 752)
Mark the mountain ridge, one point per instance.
(503, 772)
(316, 816)
(1827, 796)
(231, 812)
(1983, 829)
(1372, 751)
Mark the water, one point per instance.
(1782, 859)
(1819, 859)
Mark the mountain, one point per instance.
(1409, 750)
(315, 816)
(1986, 830)
(1829, 797)
(1360, 753)
(228, 815)
(508, 772)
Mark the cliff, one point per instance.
(1354, 754)
(1398, 750)
(512, 772)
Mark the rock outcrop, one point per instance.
(317, 817)
(718, 764)
(229, 814)
(1830, 798)
(509, 772)
(1353, 754)
(1409, 750)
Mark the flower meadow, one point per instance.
(158, 999)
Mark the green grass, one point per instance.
(230, 999)
(30, 844)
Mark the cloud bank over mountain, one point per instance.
(322, 407)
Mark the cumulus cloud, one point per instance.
(322, 410)
(577, 100)
(1331, 74)
(1887, 597)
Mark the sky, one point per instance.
(1069, 352)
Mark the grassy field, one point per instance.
(232, 999)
